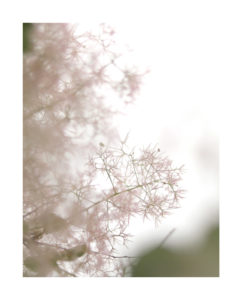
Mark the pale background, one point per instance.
(177, 109)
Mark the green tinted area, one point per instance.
(27, 27)
(199, 262)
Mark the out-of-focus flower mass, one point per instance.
(81, 185)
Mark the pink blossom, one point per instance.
(79, 195)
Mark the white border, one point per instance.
(226, 17)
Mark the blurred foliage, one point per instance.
(73, 253)
(46, 260)
(42, 263)
(52, 222)
(199, 262)
(46, 223)
(27, 27)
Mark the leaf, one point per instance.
(73, 253)
(27, 27)
(32, 263)
(53, 223)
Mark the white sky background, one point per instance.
(176, 109)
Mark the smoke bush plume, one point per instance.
(79, 194)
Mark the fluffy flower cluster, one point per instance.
(79, 195)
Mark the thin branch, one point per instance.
(109, 175)
(114, 256)
(167, 237)
(32, 211)
(66, 272)
(125, 191)
(49, 245)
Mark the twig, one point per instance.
(166, 237)
(66, 272)
(31, 212)
(121, 192)
(114, 256)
